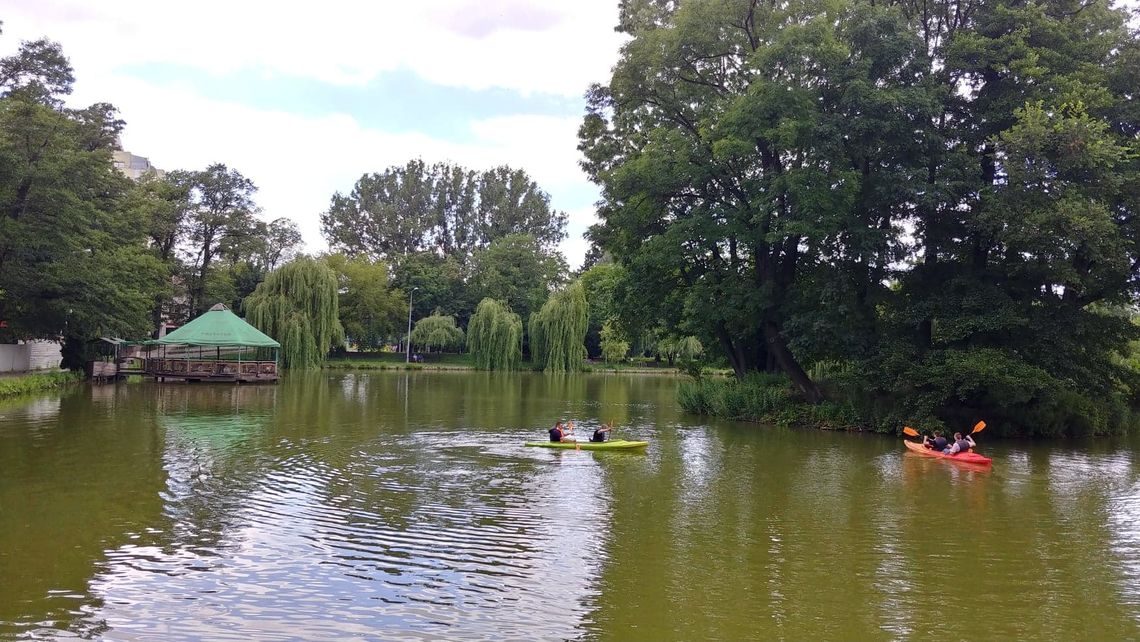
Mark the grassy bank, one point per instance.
(395, 361)
(766, 399)
(37, 382)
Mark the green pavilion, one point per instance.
(217, 346)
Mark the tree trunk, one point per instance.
(779, 348)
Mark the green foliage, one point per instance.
(494, 336)
(370, 311)
(765, 399)
(441, 208)
(12, 386)
(601, 283)
(558, 330)
(297, 305)
(439, 332)
(73, 260)
(439, 283)
(614, 345)
(947, 206)
(516, 270)
(684, 348)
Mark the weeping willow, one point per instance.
(437, 331)
(558, 331)
(296, 304)
(494, 336)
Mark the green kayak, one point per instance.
(617, 444)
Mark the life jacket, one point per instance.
(963, 445)
(940, 443)
(555, 434)
(598, 436)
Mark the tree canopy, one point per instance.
(442, 207)
(558, 331)
(297, 305)
(944, 194)
(370, 311)
(494, 336)
(439, 332)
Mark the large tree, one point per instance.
(494, 336)
(926, 188)
(518, 271)
(371, 311)
(442, 207)
(72, 257)
(558, 331)
(297, 305)
(221, 216)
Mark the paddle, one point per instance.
(978, 427)
(907, 430)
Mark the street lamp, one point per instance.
(408, 356)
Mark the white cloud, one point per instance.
(299, 161)
(529, 46)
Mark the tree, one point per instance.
(443, 208)
(674, 347)
(439, 332)
(516, 270)
(558, 330)
(926, 190)
(73, 263)
(614, 345)
(371, 311)
(601, 283)
(221, 216)
(494, 336)
(296, 304)
(439, 284)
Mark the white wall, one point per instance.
(35, 355)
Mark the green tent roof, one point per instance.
(219, 327)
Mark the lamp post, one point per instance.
(408, 346)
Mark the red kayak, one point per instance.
(966, 457)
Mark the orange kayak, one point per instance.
(966, 458)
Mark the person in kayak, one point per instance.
(600, 434)
(561, 433)
(961, 444)
(937, 443)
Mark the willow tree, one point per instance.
(437, 331)
(297, 305)
(558, 331)
(494, 336)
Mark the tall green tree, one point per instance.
(221, 215)
(558, 331)
(601, 284)
(515, 269)
(73, 262)
(297, 305)
(443, 208)
(926, 189)
(371, 311)
(494, 336)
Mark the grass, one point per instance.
(395, 361)
(764, 398)
(37, 382)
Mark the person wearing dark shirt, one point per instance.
(600, 434)
(938, 443)
(561, 433)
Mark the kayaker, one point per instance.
(560, 432)
(937, 443)
(961, 444)
(600, 434)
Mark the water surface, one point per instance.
(366, 506)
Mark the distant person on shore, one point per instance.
(938, 443)
(961, 444)
(600, 434)
(561, 432)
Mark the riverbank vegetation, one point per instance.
(943, 200)
(37, 382)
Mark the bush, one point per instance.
(12, 386)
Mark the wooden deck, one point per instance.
(211, 370)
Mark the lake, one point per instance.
(402, 505)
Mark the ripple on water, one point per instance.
(388, 537)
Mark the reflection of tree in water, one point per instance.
(72, 487)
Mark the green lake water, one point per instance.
(403, 506)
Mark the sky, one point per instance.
(304, 99)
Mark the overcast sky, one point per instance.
(305, 100)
